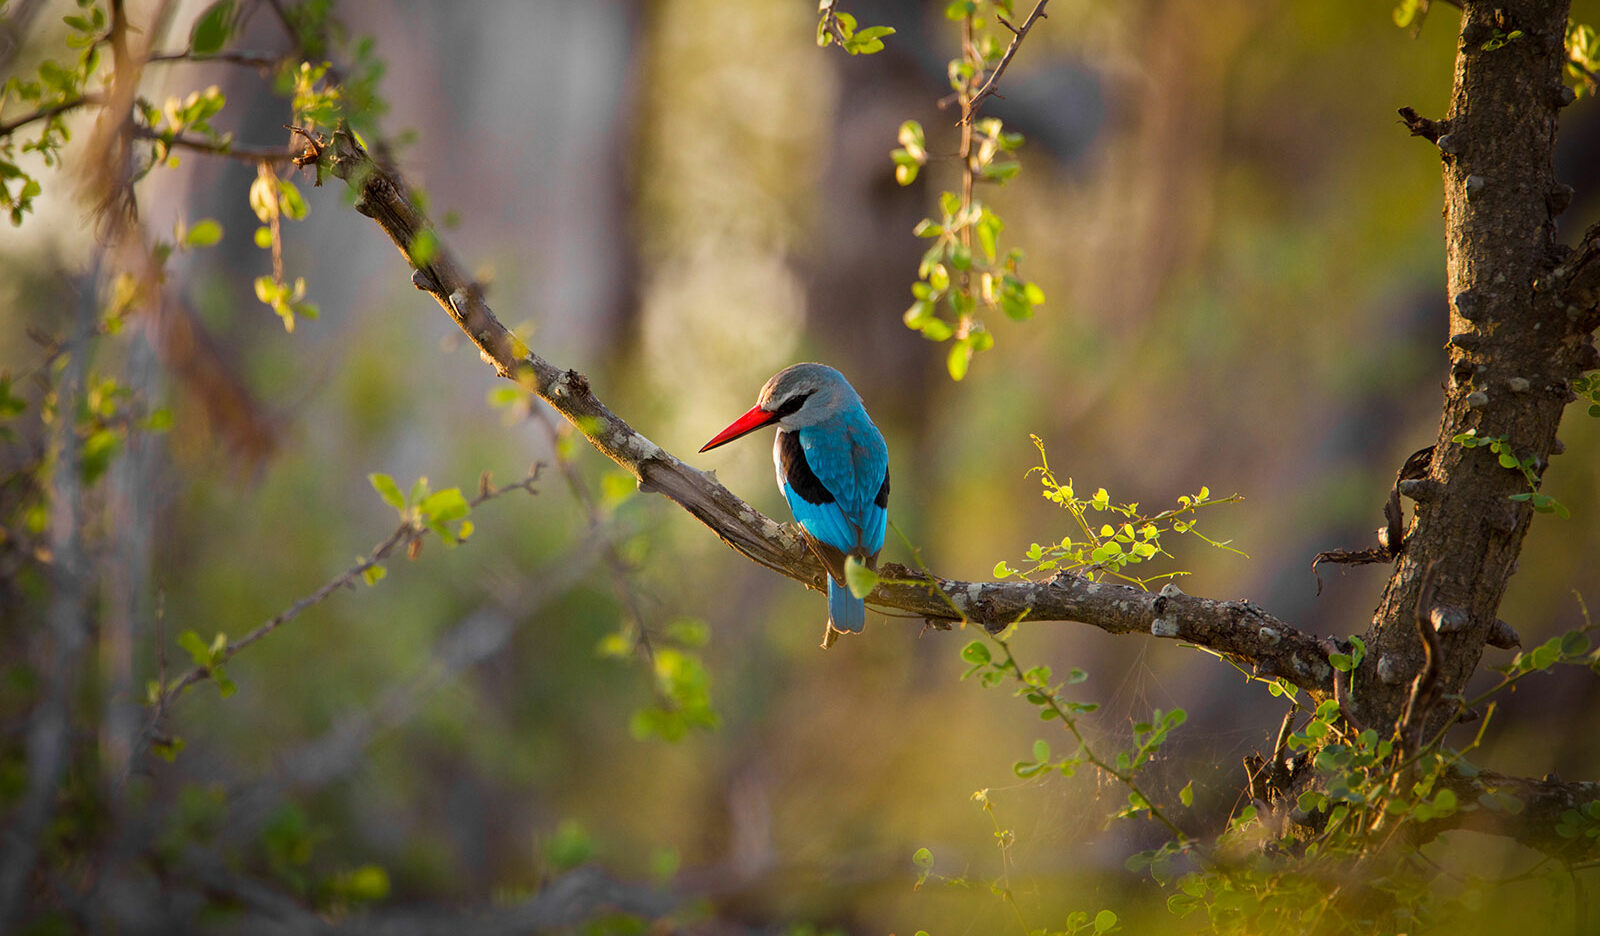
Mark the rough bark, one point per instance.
(1517, 337)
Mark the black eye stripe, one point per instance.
(792, 405)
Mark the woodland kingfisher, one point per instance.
(833, 469)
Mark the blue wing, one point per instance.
(847, 457)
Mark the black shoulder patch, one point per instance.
(882, 500)
(797, 472)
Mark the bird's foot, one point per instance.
(829, 635)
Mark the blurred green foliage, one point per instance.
(1235, 270)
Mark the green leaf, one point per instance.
(291, 202)
(690, 632)
(858, 578)
(98, 451)
(387, 489)
(367, 883)
(1186, 795)
(424, 247)
(444, 506)
(501, 397)
(373, 574)
(211, 30)
(976, 652)
(922, 858)
(615, 646)
(569, 846)
(959, 359)
(197, 648)
(959, 9)
(1408, 13)
(1105, 921)
(204, 233)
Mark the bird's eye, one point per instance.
(792, 405)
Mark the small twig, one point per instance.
(1429, 130)
(254, 154)
(406, 533)
(45, 113)
(237, 57)
(1126, 778)
(1018, 34)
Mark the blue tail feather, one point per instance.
(846, 612)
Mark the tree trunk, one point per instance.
(1515, 344)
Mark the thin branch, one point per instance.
(251, 154)
(1521, 808)
(409, 531)
(1018, 33)
(45, 113)
(234, 57)
(1237, 629)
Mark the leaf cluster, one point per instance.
(955, 280)
(1102, 548)
(836, 27)
(1527, 465)
(50, 92)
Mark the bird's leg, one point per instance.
(829, 635)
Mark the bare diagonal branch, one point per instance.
(1236, 629)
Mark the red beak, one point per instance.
(749, 422)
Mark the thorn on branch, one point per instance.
(1503, 636)
(1391, 536)
(1559, 198)
(1429, 130)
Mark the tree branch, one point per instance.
(1514, 348)
(227, 148)
(1018, 33)
(1521, 808)
(231, 57)
(408, 531)
(1236, 629)
(45, 113)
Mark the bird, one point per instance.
(833, 469)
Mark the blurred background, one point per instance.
(1242, 254)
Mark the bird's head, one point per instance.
(797, 396)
